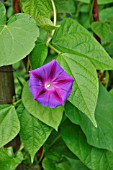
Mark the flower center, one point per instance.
(48, 85)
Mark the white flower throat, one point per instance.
(48, 85)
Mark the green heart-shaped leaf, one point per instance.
(17, 37)
(73, 38)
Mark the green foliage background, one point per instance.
(79, 134)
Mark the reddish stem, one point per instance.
(16, 7)
(96, 18)
(95, 11)
(25, 60)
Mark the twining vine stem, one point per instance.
(16, 6)
(54, 22)
(94, 15)
(95, 11)
(96, 18)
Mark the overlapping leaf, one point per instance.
(58, 156)
(85, 89)
(102, 136)
(92, 157)
(63, 164)
(17, 38)
(55, 148)
(9, 124)
(51, 117)
(33, 132)
(71, 37)
(101, 28)
(40, 11)
(38, 8)
(9, 160)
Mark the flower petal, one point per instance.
(50, 99)
(60, 84)
(64, 91)
(43, 98)
(34, 80)
(36, 90)
(63, 76)
(63, 85)
(44, 71)
(56, 70)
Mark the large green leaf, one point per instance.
(99, 1)
(33, 132)
(9, 160)
(85, 89)
(40, 11)
(39, 54)
(96, 159)
(45, 23)
(51, 117)
(63, 164)
(102, 136)
(17, 38)
(9, 124)
(71, 37)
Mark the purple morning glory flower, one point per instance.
(50, 85)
